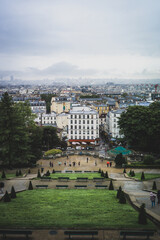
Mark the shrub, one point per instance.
(38, 174)
(106, 175)
(30, 186)
(53, 171)
(20, 173)
(29, 171)
(154, 187)
(142, 176)
(119, 192)
(1, 184)
(148, 160)
(130, 172)
(142, 219)
(119, 160)
(122, 198)
(52, 152)
(17, 173)
(13, 193)
(47, 173)
(6, 197)
(3, 174)
(99, 170)
(102, 174)
(111, 187)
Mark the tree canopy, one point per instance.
(141, 127)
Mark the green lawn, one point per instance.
(75, 175)
(148, 176)
(68, 209)
(9, 175)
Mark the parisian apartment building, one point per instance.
(83, 125)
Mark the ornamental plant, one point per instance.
(13, 193)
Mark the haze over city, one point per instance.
(116, 40)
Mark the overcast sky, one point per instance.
(80, 38)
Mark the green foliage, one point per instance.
(141, 127)
(132, 173)
(6, 197)
(30, 186)
(102, 174)
(20, 173)
(3, 174)
(106, 175)
(148, 160)
(29, 171)
(53, 152)
(15, 124)
(119, 192)
(142, 219)
(99, 170)
(122, 198)
(119, 160)
(124, 171)
(13, 193)
(142, 176)
(111, 187)
(47, 174)
(53, 171)
(38, 174)
(154, 187)
(47, 98)
(17, 173)
(50, 139)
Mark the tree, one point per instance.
(3, 174)
(141, 127)
(50, 138)
(102, 174)
(47, 98)
(122, 198)
(119, 192)
(119, 160)
(38, 174)
(124, 171)
(142, 176)
(142, 219)
(106, 174)
(13, 193)
(6, 197)
(111, 187)
(30, 186)
(154, 187)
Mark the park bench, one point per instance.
(82, 179)
(98, 179)
(87, 171)
(41, 186)
(78, 171)
(61, 186)
(15, 232)
(146, 234)
(80, 186)
(63, 178)
(57, 171)
(67, 171)
(101, 186)
(81, 233)
(46, 178)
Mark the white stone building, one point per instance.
(44, 119)
(112, 119)
(83, 125)
(38, 106)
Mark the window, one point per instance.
(71, 132)
(71, 126)
(83, 137)
(87, 127)
(79, 121)
(71, 137)
(79, 132)
(75, 121)
(92, 122)
(114, 126)
(79, 116)
(76, 127)
(83, 116)
(71, 116)
(79, 126)
(75, 137)
(87, 121)
(71, 121)
(87, 116)
(75, 116)
(91, 132)
(83, 121)
(79, 137)
(87, 137)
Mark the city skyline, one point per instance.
(104, 39)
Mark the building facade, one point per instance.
(83, 125)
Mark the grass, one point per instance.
(148, 176)
(9, 175)
(68, 208)
(74, 176)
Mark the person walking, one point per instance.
(158, 196)
(153, 199)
